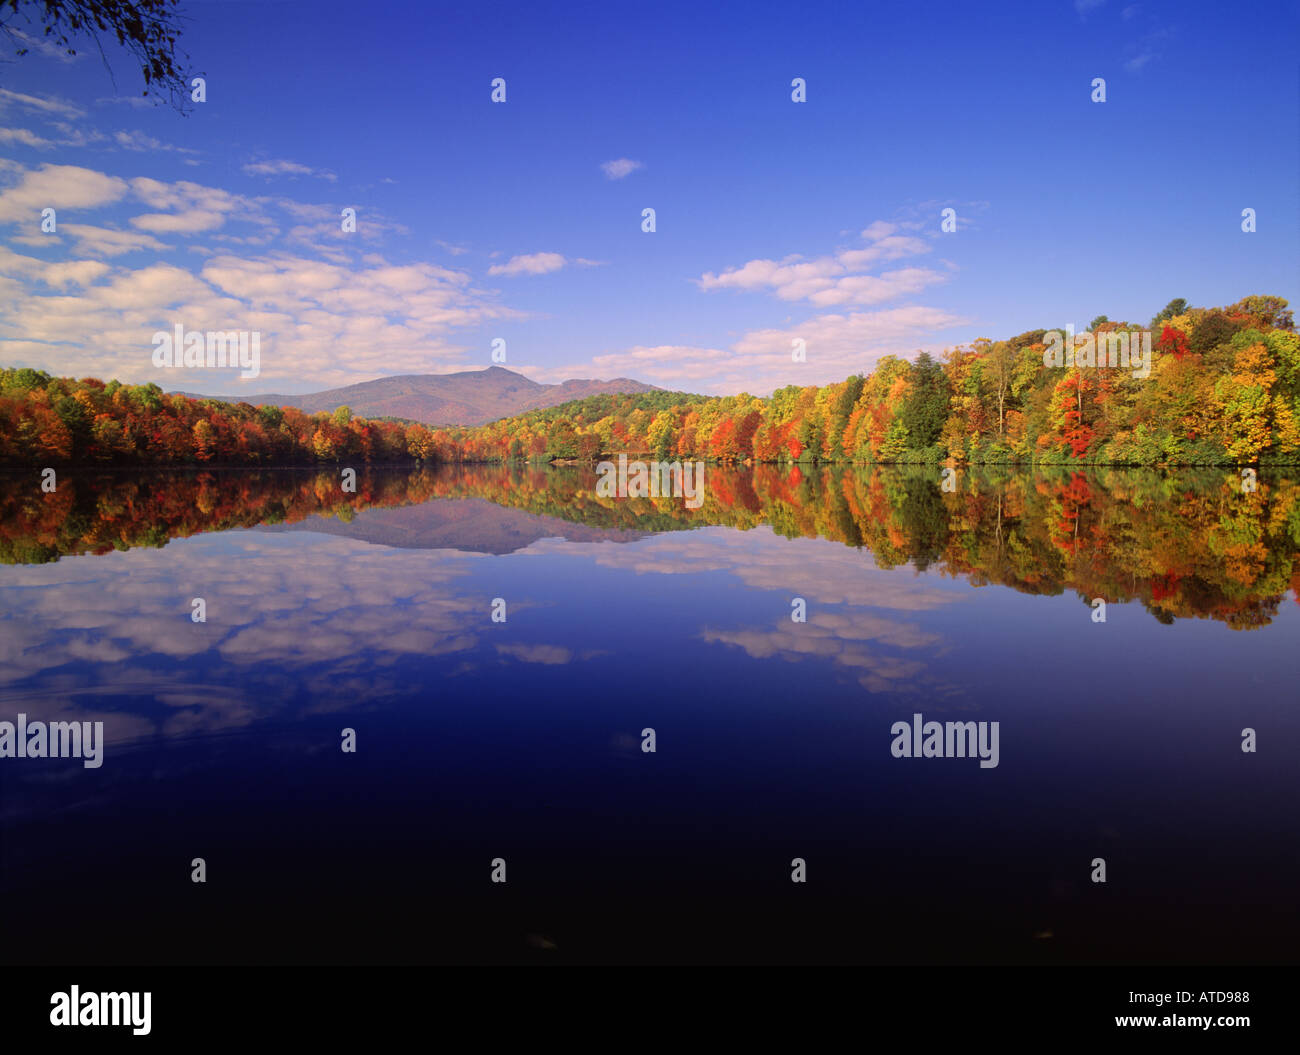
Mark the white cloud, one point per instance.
(837, 346)
(74, 272)
(138, 102)
(157, 286)
(61, 274)
(58, 187)
(42, 104)
(530, 264)
(187, 208)
(185, 223)
(22, 135)
(621, 168)
(38, 240)
(333, 323)
(140, 142)
(334, 320)
(829, 281)
(72, 136)
(878, 230)
(105, 241)
(877, 289)
(45, 47)
(285, 168)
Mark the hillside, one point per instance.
(471, 397)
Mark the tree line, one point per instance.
(1224, 388)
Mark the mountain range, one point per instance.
(471, 397)
(467, 525)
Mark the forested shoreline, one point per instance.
(1223, 388)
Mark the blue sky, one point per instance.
(775, 220)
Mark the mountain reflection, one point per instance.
(1184, 545)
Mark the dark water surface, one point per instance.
(522, 740)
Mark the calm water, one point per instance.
(522, 739)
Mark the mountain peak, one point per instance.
(468, 397)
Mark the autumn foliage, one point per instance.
(1224, 388)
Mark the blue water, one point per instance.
(522, 740)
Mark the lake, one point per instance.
(500, 639)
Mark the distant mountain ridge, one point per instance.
(467, 525)
(470, 397)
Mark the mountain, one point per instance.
(471, 397)
(468, 525)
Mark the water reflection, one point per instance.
(373, 612)
(1184, 545)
